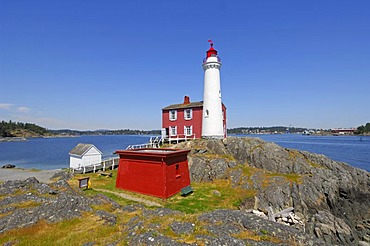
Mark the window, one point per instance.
(207, 113)
(188, 130)
(188, 114)
(173, 114)
(173, 130)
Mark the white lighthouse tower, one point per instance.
(212, 122)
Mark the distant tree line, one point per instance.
(7, 129)
(12, 129)
(272, 129)
(363, 129)
(106, 132)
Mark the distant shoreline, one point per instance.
(25, 139)
(13, 139)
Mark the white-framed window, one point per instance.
(173, 130)
(188, 114)
(207, 113)
(173, 114)
(188, 130)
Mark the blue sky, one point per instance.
(116, 64)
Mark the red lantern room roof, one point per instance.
(211, 51)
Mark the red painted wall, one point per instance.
(157, 172)
(180, 122)
(224, 120)
(196, 121)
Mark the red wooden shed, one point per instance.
(156, 172)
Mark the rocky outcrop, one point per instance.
(25, 202)
(220, 227)
(330, 201)
(332, 198)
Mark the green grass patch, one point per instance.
(69, 232)
(217, 194)
(291, 177)
(248, 170)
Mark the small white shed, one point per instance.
(84, 155)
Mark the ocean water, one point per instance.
(354, 150)
(52, 153)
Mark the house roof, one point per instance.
(82, 149)
(189, 105)
(181, 105)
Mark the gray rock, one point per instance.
(153, 238)
(110, 219)
(182, 227)
(159, 212)
(323, 184)
(133, 208)
(62, 175)
(63, 205)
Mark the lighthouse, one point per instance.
(212, 121)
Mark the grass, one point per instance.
(291, 177)
(206, 198)
(69, 232)
(248, 234)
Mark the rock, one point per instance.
(230, 222)
(153, 238)
(133, 208)
(204, 170)
(64, 204)
(160, 212)
(110, 219)
(216, 193)
(326, 225)
(182, 227)
(285, 178)
(62, 175)
(105, 199)
(9, 166)
(363, 243)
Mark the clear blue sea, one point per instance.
(354, 150)
(52, 153)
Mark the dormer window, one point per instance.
(173, 115)
(188, 114)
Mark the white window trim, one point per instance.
(186, 132)
(191, 114)
(173, 128)
(170, 114)
(206, 113)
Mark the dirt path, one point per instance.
(132, 198)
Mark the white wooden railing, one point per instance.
(180, 137)
(154, 142)
(105, 164)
